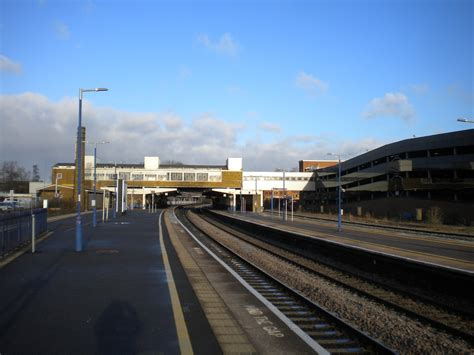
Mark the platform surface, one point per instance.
(111, 298)
(451, 253)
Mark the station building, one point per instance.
(400, 178)
(143, 182)
(151, 182)
(313, 165)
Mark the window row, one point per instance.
(169, 176)
(276, 178)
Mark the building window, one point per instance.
(161, 177)
(137, 176)
(202, 176)
(176, 176)
(124, 176)
(150, 177)
(379, 161)
(467, 149)
(189, 177)
(417, 154)
(215, 177)
(441, 152)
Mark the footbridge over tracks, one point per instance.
(152, 183)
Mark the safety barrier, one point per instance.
(18, 228)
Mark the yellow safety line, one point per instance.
(408, 252)
(398, 234)
(181, 329)
(385, 247)
(8, 259)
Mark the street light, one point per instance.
(79, 167)
(465, 120)
(116, 189)
(339, 210)
(284, 196)
(58, 177)
(94, 214)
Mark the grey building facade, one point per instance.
(393, 180)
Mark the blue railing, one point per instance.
(16, 228)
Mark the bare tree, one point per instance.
(172, 162)
(13, 177)
(36, 174)
(11, 171)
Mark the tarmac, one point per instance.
(111, 298)
(445, 252)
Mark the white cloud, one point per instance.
(286, 152)
(252, 114)
(235, 90)
(184, 73)
(9, 66)
(36, 130)
(419, 89)
(270, 127)
(392, 104)
(224, 45)
(62, 31)
(462, 94)
(49, 128)
(312, 85)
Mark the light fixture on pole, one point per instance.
(79, 168)
(116, 191)
(58, 177)
(339, 190)
(284, 196)
(465, 120)
(94, 200)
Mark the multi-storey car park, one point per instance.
(400, 178)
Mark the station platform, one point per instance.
(446, 252)
(140, 286)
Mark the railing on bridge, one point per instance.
(16, 228)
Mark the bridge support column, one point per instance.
(144, 199)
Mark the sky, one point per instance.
(273, 82)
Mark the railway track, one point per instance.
(326, 331)
(443, 318)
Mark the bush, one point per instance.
(434, 215)
(59, 206)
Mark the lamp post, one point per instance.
(79, 168)
(284, 197)
(271, 203)
(58, 177)
(94, 214)
(339, 210)
(116, 192)
(465, 120)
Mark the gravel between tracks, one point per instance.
(395, 330)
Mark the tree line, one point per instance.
(11, 171)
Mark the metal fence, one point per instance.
(16, 228)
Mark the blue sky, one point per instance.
(271, 81)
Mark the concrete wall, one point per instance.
(406, 209)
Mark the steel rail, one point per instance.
(362, 337)
(379, 298)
